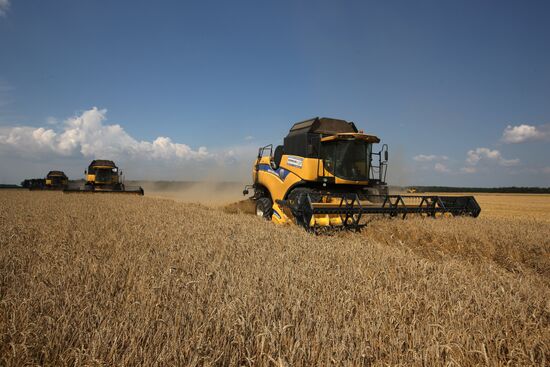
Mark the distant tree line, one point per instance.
(4, 186)
(501, 190)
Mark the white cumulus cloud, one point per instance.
(468, 170)
(524, 133)
(440, 167)
(485, 154)
(4, 6)
(89, 136)
(430, 158)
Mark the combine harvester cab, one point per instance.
(103, 176)
(326, 174)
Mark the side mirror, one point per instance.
(85, 172)
(386, 155)
(121, 173)
(245, 192)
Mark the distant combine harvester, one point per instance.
(55, 180)
(103, 176)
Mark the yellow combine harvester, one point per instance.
(55, 180)
(327, 174)
(104, 176)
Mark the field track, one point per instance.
(126, 280)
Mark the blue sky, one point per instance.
(459, 90)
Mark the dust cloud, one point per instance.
(398, 171)
(210, 193)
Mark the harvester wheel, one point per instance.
(298, 196)
(300, 206)
(264, 207)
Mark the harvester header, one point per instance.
(327, 173)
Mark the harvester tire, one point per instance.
(298, 196)
(264, 207)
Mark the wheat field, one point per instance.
(122, 280)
